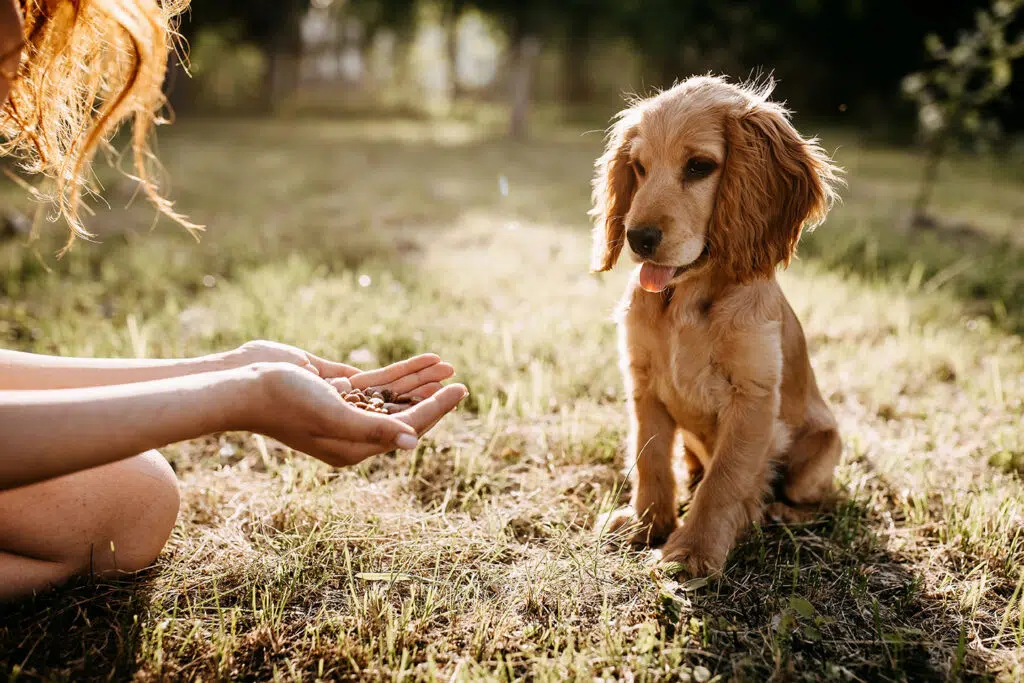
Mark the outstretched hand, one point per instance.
(308, 414)
(419, 376)
(299, 401)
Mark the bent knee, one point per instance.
(152, 471)
(132, 508)
(112, 518)
(150, 498)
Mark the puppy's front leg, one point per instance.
(653, 509)
(731, 496)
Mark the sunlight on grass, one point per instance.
(474, 557)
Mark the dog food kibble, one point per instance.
(381, 401)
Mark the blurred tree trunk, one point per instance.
(452, 14)
(283, 68)
(937, 149)
(524, 48)
(575, 76)
(919, 217)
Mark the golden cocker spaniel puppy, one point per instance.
(709, 185)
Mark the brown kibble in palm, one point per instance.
(379, 401)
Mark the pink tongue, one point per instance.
(655, 278)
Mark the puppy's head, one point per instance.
(707, 175)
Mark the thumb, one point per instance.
(361, 426)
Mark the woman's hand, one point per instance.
(419, 376)
(297, 408)
(261, 351)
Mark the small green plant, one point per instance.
(952, 97)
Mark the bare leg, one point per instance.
(653, 512)
(107, 519)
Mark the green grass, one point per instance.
(474, 558)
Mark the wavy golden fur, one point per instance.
(710, 186)
(87, 67)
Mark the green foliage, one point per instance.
(953, 96)
(262, 22)
(226, 71)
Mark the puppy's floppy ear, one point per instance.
(774, 182)
(614, 185)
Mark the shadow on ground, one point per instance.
(823, 597)
(99, 627)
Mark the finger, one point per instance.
(342, 384)
(425, 391)
(438, 415)
(329, 369)
(409, 383)
(311, 368)
(430, 426)
(352, 424)
(390, 373)
(428, 412)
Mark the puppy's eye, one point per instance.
(639, 169)
(700, 168)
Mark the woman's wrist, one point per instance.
(246, 395)
(212, 362)
(240, 397)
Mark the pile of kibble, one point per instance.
(379, 400)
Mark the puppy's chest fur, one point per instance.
(679, 368)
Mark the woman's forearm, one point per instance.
(45, 434)
(28, 371)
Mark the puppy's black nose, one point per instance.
(644, 241)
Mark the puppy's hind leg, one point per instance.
(811, 463)
(694, 457)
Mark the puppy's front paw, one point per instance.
(696, 555)
(787, 514)
(624, 525)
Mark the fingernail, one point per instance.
(406, 442)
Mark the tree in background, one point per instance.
(274, 28)
(577, 27)
(846, 56)
(953, 97)
(377, 15)
(524, 22)
(270, 25)
(451, 13)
